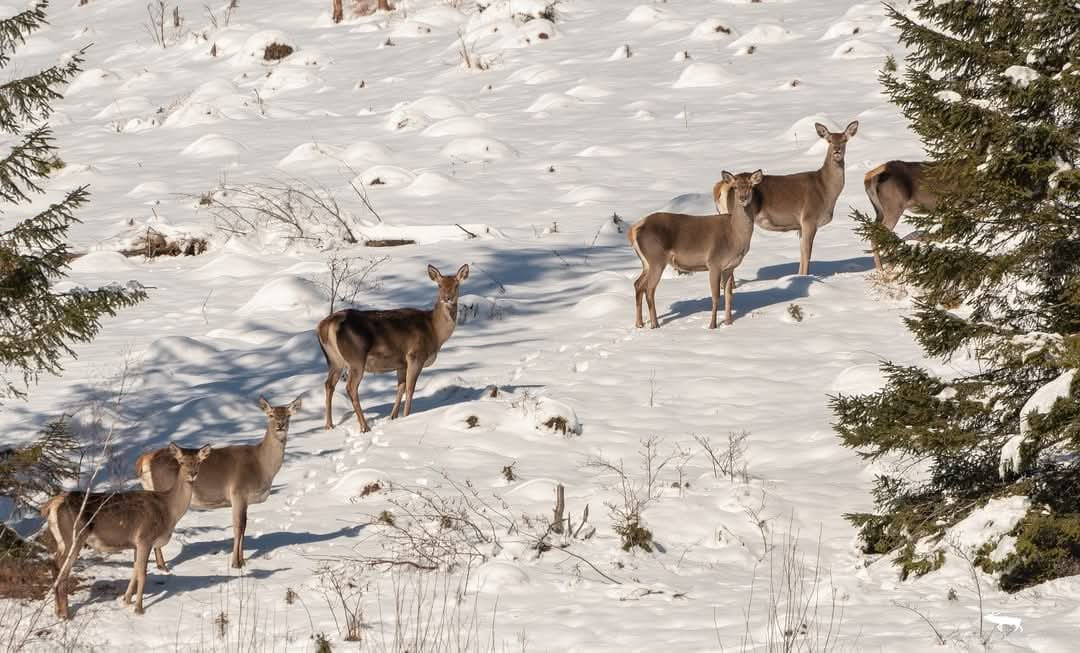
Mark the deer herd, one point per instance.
(406, 340)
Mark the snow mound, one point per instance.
(179, 350)
(602, 151)
(366, 152)
(590, 193)
(255, 46)
(103, 261)
(456, 126)
(600, 305)
(282, 80)
(842, 29)
(691, 204)
(125, 107)
(423, 112)
(535, 74)
(553, 416)
(765, 33)
(646, 15)
(213, 145)
(713, 29)
(89, 80)
(553, 101)
(698, 75)
(385, 176)
(287, 294)
(803, 132)
(150, 189)
(307, 153)
(477, 148)
(856, 49)
(620, 53)
(428, 184)
(497, 576)
(588, 92)
(233, 264)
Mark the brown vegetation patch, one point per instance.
(155, 244)
(389, 242)
(277, 51)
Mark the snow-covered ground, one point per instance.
(533, 156)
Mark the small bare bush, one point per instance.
(348, 277)
(727, 460)
(343, 590)
(277, 51)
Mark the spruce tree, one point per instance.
(38, 325)
(993, 91)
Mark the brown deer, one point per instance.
(117, 521)
(894, 187)
(237, 476)
(405, 340)
(803, 201)
(716, 243)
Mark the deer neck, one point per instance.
(179, 498)
(831, 174)
(443, 320)
(742, 219)
(271, 452)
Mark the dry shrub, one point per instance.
(154, 244)
(277, 51)
(26, 566)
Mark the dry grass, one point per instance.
(277, 51)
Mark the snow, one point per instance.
(517, 170)
(1021, 75)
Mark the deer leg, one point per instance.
(400, 392)
(65, 560)
(142, 558)
(806, 245)
(716, 282)
(159, 560)
(332, 378)
(352, 386)
(653, 280)
(339, 13)
(239, 524)
(412, 373)
(729, 290)
(639, 294)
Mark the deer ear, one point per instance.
(175, 450)
(852, 127)
(294, 407)
(204, 453)
(822, 130)
(434, 273)
(463, 272)
(727, 176)
(756, 177)
(265, 405)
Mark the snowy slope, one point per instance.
(533, 155)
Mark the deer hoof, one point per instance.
(138, 609)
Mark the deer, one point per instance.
(894, 187)
(690, 243)
(404, 340)
(803, 201)
(117, 521)
(235, 476)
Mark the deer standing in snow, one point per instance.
(894, 187)
(803, 201)
(237, 476)
(716, 243)
(404, 340)
(117, 521)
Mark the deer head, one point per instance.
(278, 417)
(743, 185)
(837, 140)
(189, 462)
(448, 286)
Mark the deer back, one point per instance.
(385, 337)
(113, 521)
(227, 469)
